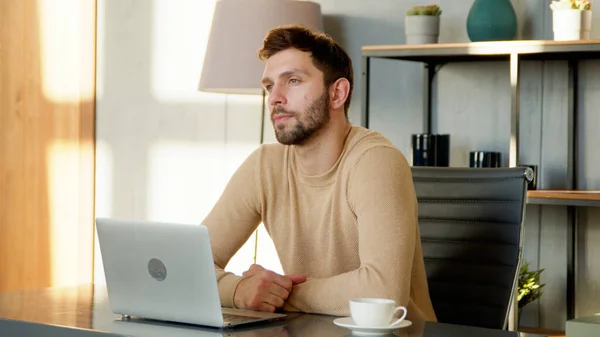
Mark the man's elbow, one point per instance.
(388, 286)
(400, 295)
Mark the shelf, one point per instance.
(564, 198)
(486, 51)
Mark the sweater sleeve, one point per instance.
(232, 220)
(380, 192)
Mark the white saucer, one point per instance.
(347, 322)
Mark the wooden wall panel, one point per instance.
(47, 66)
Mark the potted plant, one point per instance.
(422, 24)
(529, 286)
(571, 19)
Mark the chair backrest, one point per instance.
(471, 224)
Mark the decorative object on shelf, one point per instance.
(529, 287)
(431, 150)
(484, 159)
(492, 20)
(422, 24)
(571, 19)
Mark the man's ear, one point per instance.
(338, 93)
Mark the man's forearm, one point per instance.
(231, 221)
(330, 295)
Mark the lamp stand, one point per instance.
(262, 116)
(262, 139)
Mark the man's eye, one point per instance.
(293, 80)
(269, 87)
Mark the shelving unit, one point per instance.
(564, 198)
(435, 55)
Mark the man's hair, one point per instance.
(327, 55)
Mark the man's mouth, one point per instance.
(281, 118)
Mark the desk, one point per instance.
(83, 311)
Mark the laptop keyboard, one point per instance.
(229, 318)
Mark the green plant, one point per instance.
(582, 5)
(431, 10)
(530, 288)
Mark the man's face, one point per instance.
(298, 100)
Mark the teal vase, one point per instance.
(492, 20)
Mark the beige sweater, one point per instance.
(352, 230)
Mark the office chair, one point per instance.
(471, 225)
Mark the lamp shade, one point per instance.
(231, 64)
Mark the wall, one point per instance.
(166, 151)
(46, 142)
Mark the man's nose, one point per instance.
(276, 97)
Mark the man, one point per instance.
(337, 199)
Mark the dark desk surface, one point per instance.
(83, 311)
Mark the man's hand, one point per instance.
(264, 290)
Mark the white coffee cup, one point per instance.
(375, 312)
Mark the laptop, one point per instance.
(165, 271)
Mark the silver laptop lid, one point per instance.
(160, 270)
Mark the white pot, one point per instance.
(571, 24)
(421, 29)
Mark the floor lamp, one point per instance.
(231, 63)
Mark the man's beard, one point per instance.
(316, 117)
